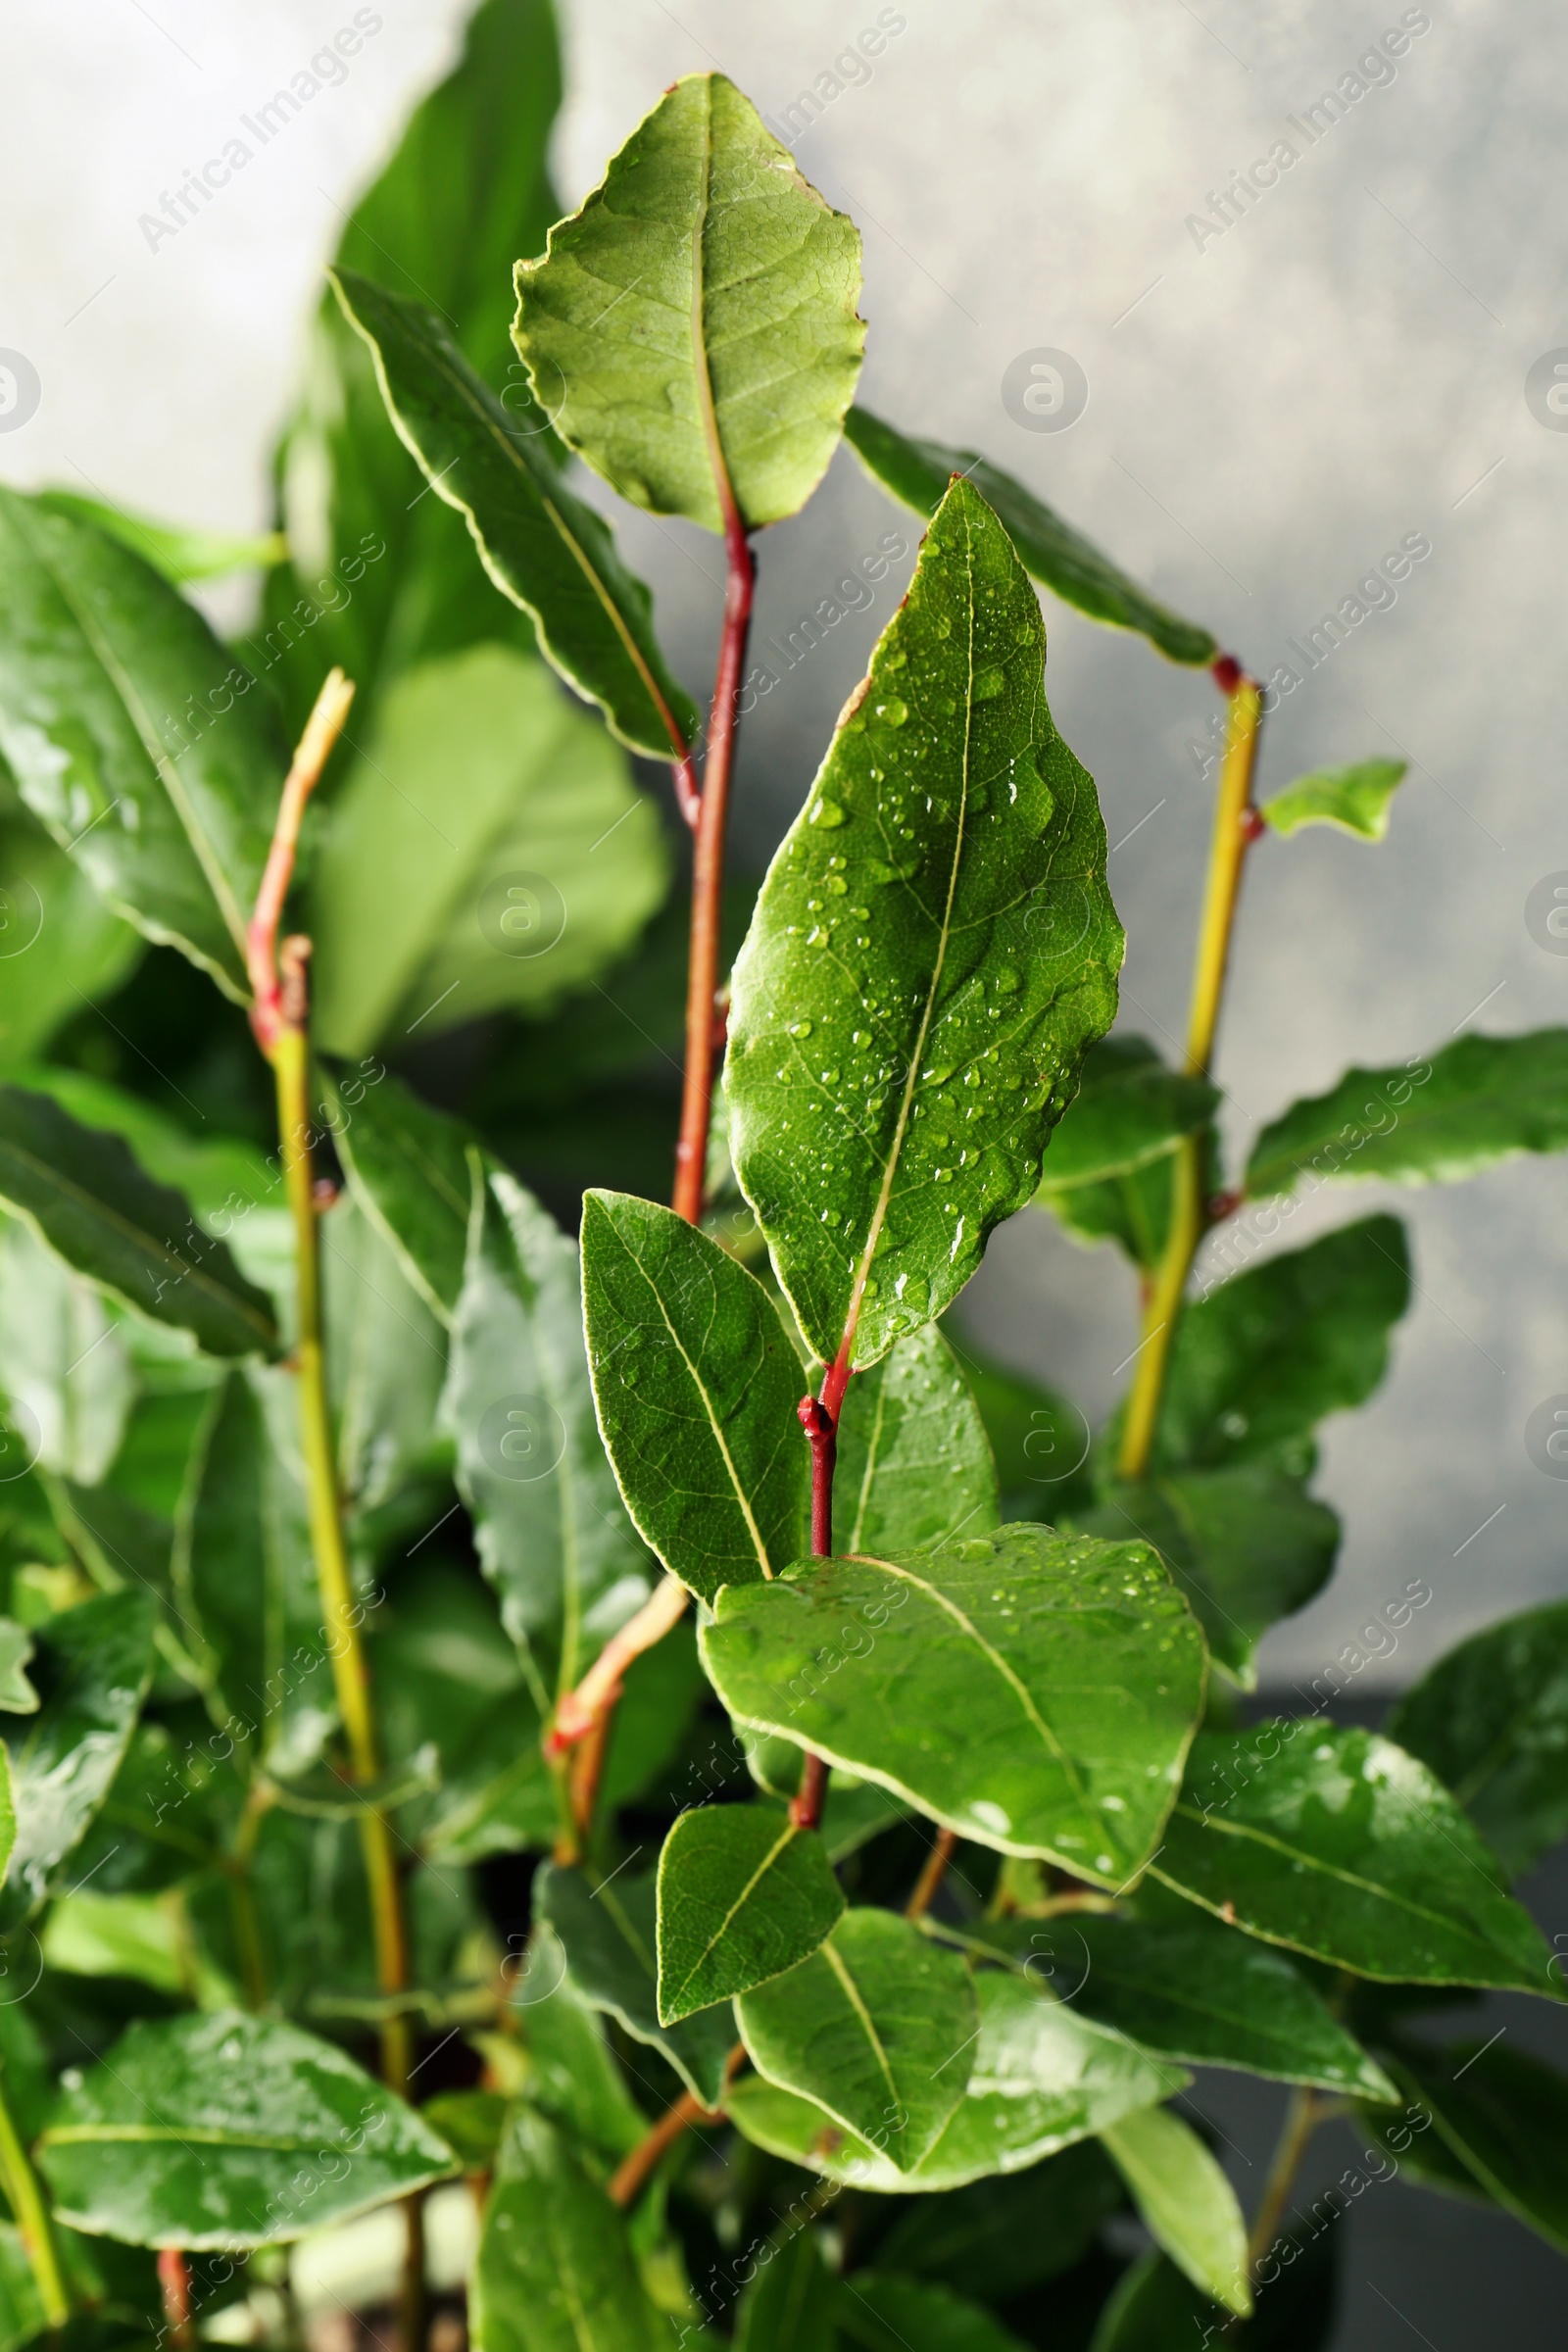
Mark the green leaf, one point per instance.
(227, 1182)
(471, 2123)
(574, 2076)
(1129, 1111)
(145, 1937)
(21, 2313)
(1034, 1691)
(609, 1934)
(1479, 1101)
(555, 2270)
(1043, 2078)
(1492, 1721)
(229, 2130)
(1131, 1207)
(1355, 799)
(1210, 1997)
(877, 2027)
(1503, 2113)
(913, 971)
(885, 2312)
(999, 2238)
(691, 330)
(696, 1386)
(17, 1694)
(1154, 2308)
(1338, 1845)
(82, 1191)
(552, 1535)
(1245, 1544)
(550, 554)
(93, 1669)
(244, 1576)
(1039, 1441)
(789, 2306)
(918, 472)
(181, 552)
(386, 1362)
(743, 1895)
(1187, 2204)
(915, 1464)
(59, 943)
(168, 810)
(1259, 1361)
(68, 1378)
(410, 1169)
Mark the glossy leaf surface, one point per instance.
(1059, 557)
(696, 1386)
(878, 2028)
(933, 949)
(542, 546)
(608, 1931)
(915, 1464)
(696, 317)
(1354, 799)
(182, 552)
(168, 812)
(1035, 1692)
(555, 2273)
(743, 1895)
(83, 1190)
(1187, 2204)
(229, 2130)
(1479, 1102)
(1492, 1721)
(1337, 1843)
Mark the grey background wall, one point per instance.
(1270, 408)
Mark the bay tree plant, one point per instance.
(641, 1747)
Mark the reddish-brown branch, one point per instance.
(270, 1011)
(173, 2280)
(707, 874)
(822, 1435)
(806, 1806)
(580, 1709)
(930, 1879)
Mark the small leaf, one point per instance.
(543, 548)
(790, 2301)
(1043, 2078)
(1187, 2204)
(1245, 1544)
(1491, 1719)
(695, 1386)
(181, 552)
(93, 1669)
(878, 2028)
(743, 1895)
(555, 2270)
(17, 1694)
(609, 1935)
(167, 809)
(1034, 1691)
(1503, 2113)
(1259, 1361)
(432, 907)
(1059, 557)
(83, 1191)
(885, 2312)
(915, 1464)
(552, 1535)
(229, 2130)
(1129, 1111)
(1479, 1101)
(1337, 1843)
(933, 949)
(691, 330)
(1355, 799)
(410, 1169)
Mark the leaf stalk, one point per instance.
(27, 2201)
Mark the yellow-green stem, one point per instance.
(22, 2187)
(1301, 2119)
(1228, 848)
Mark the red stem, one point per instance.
(173, 2280)
(819, 1418)
(708, 873)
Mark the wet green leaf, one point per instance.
(1337, 1843)
(544, 549)
(182, 552)
(692, 326)
(91, 1670)
(83, 1191)
(555, 2272)
(1354, 799)
(410, 1169)
(1035, 1692)
(168, 808)
(1061, 559)
(17, 1694)
(1187, 2204)
(1492, 1721)
(1479, 1102)
(695, 1386)
(229, 2130)
(743, 1895)
(610, 1932)
(877, 2027)
(933, 950)
(915, 1464)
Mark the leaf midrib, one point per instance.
(202, 2135)
(779, 1845)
